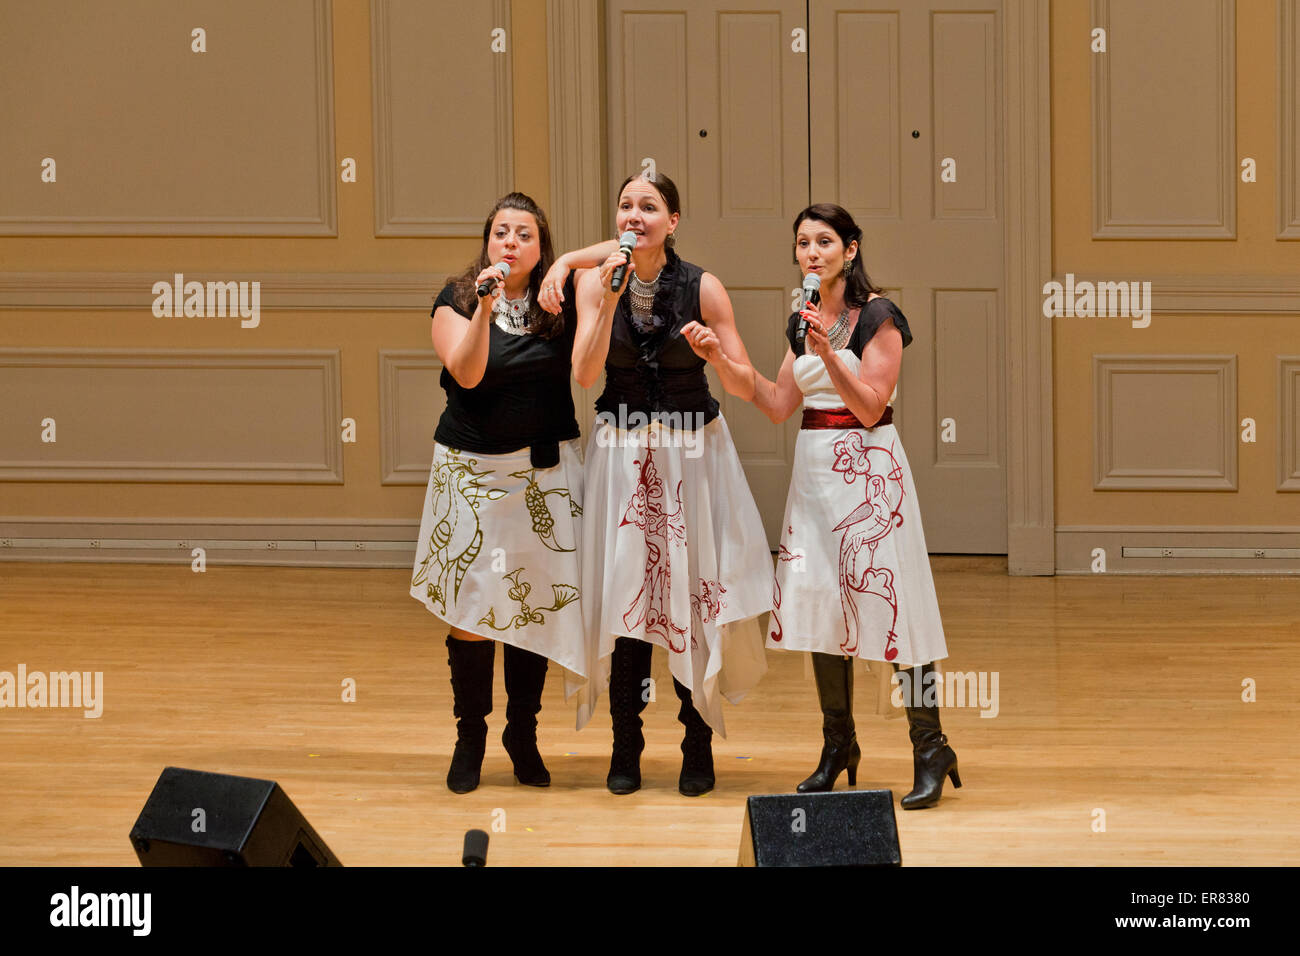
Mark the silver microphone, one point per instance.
(811, 283)
(626, 243)
(487, 285)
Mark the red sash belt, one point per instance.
(840, 418)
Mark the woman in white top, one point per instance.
(853, 576)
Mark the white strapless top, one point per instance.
(813, 379)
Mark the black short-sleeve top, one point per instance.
(872, 317)
(657, 372)
(523, 399)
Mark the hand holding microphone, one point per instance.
(626, 243)
(812, 282)
(489, 277)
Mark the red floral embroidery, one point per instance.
(708, 603)
(866, 527)
(785, 554)
(652, 605)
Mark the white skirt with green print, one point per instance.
(497, 552)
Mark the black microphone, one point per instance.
(626, 243)
(487, 285)
(811, 283)
(476, 842)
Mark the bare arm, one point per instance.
(596, 306)
(552, 294)
(778, 400)
(462, 345)
(867, 393)
(722, 349)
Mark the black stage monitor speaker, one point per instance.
(194, 818)
(849, 828)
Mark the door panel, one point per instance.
(936, 246)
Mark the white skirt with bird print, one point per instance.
(853, 574)
(497, 553)
(674, 553)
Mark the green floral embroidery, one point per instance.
(539, 510)
(457, 538)
(562, 595)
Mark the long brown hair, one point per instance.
(858, 287)
(463, 287)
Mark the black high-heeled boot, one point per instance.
(697, 747)
(629, 668)
(932, 758)
(840, 750)
(471, 686)
(525, 677)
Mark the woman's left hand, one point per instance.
(552, 292)
(703, 342)
(816, 341)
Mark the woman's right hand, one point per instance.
(497, 290)
(551, 296)
(616, 259)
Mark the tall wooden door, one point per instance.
(906, 135)
(715, 94)
(894, 113)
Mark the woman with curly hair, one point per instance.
(497, 557)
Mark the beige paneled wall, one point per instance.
(347, 294)
(1148, 141)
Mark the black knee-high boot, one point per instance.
(525, 677)
(628, 695)
(471, 685)
(840, 750)
(932, 758)
(697, 747)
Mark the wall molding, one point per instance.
(1288, 394)
(1104, 223)
(280, 291)
(1288, 136)
(323, 223)
(327, 470)
(391, 362)
(404, 291)
(575, 66)
(1219, 295)
(1109, 476)
(388, 220)
(1026, 45)
(285, 542)
(1179, 550)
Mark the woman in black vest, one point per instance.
(497, 554)
(674, 551)
(853, 577)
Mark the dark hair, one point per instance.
(666, 188)
(463, 288)
(858, 287)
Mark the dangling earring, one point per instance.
(848, 267)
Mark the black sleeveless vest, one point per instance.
(654, 373)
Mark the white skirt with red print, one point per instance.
(853, 576)
(674, 553)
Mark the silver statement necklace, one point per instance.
(641, 297)
(513, 315)
(838, 336)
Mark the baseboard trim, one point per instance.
(1259, 551)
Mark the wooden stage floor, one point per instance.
(1120, 694)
